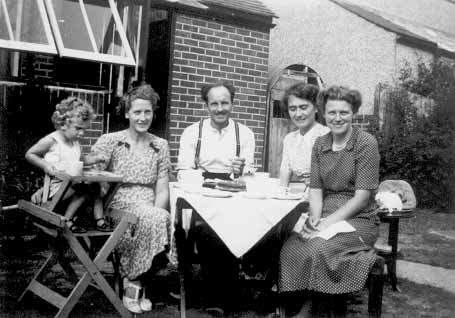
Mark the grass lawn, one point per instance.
(418, 244)
(17, 267)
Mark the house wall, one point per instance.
(208, 51)
(340, 46)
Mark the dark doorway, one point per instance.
(157, 67)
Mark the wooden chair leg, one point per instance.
(92, 269)
(50, 261)
(375, 287)
(118, 282)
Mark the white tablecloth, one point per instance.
(239, 222)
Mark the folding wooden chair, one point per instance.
(54, 225)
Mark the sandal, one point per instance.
(75, 228)
(104, 227)
(132, 299)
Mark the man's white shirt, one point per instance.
(217, 147)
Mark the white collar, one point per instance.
(224, 129)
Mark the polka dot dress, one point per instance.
(342, 263)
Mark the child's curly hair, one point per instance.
(72, 108)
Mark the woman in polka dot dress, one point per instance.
(344, 175)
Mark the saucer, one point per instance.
(254, 195)
(216, 193)
(289, 196)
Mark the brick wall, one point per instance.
(37, 66)
(207, 51)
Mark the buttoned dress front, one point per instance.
(342, 263)
(136, 195)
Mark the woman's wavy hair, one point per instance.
(71, 109)
(350, 96)
(305, 91)
(137, 90)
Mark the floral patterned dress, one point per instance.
(136, 195)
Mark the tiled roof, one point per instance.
(188, 3)
(250, 6)
(443, 40)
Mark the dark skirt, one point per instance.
(335, 266)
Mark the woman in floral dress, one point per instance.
(143, 161)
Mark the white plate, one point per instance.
(192, 189)
(253, 195)
(98, 173)
(216, 193)
(289, 196)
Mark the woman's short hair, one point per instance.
(142, 91)
(206, 88)
(350, 96)
(70, 109)
(308, 92)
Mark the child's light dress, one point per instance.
(61, 155)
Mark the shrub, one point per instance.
(420, 148)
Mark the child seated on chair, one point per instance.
(58, 152)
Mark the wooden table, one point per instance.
(54, 224)
(393, 219)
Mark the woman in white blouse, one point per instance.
(299, 101)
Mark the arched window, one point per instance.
(290, 75)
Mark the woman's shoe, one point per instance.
(145, 303)
(130, 299)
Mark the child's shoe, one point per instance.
(103, 227)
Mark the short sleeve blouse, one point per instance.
(297, 151)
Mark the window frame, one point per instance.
(129, 59)
(21, 45)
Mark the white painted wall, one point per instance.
(342, 47)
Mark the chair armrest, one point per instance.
(42, 213)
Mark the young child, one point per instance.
(56, 152)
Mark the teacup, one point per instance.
(190, 178)
(257, 183)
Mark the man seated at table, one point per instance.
(223, 149)
(218, 145)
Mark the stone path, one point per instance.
(427, 274)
